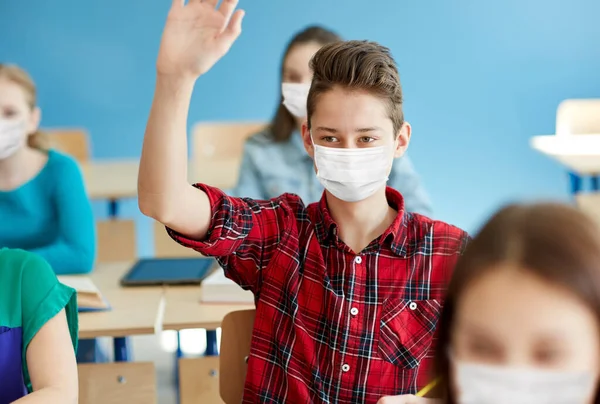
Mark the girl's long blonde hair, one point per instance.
(13, 73)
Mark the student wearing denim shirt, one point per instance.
(275, 161)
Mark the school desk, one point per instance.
(579, 153)
(114, 180)
(134, 311)
(183, 310)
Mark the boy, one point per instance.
(348, 290)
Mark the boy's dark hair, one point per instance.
(556, 243)
(357, 65)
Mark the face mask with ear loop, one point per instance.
(295, 96)
(352, 175)
(12, 137)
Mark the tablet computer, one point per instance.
(169, 271)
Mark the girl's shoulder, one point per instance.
(17, 266)
(61, 168)
(58, 161)
(23, 275)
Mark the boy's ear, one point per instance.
(306, 139)
(402, 140)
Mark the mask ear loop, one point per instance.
(312, 140)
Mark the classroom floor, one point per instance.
(148, 348)
(160, 349)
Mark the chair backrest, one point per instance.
(236, 335)
(74, 142)
(199, 380)
(166, 247)
(578, 117)
(217, 147)
(117, 383)
(116, 241)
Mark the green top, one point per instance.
(30, 295)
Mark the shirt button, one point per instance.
(345, 367)
(354, 311)
(358, 259)
(412, 306)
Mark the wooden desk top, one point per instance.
(184, 310)
(111, 179)
(117, 179)
(135, 310)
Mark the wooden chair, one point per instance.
(218, 147)
(166, 247)
(199, 380)
(74, 142)
(236, 336)
(116, 241)
(117, 383)
(578, 117)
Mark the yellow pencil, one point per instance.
(428, 388)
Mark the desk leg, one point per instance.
(122, 349)
(575, 183)
(179, 352)
(211, 343)
(113, 208)
(178, 355)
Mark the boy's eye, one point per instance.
(366, 139)
(329, 139)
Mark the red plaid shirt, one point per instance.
(332, 326)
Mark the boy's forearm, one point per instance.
(163, 166)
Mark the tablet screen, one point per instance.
(169, 271)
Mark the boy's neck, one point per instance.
(361, 222)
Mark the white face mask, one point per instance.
(12, 137)
(484, 384)
(353, 174)
(294, 98)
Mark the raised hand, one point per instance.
(197, 35)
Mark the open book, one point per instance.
(89, 297)
(216, 288)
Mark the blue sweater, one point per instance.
(51, 215)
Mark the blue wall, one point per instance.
(480, 78)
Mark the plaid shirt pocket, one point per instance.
(407, 330)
